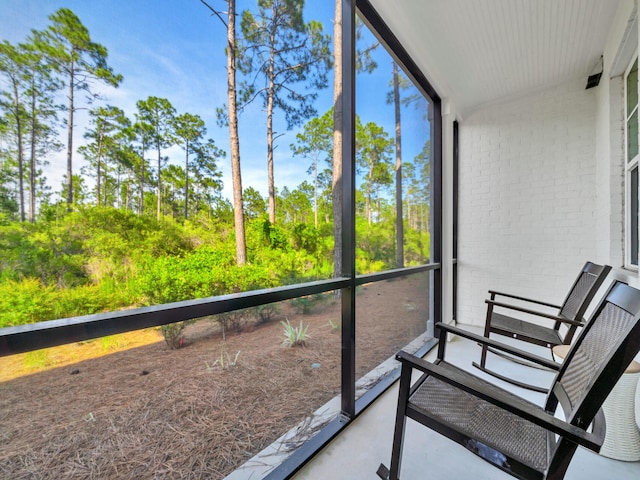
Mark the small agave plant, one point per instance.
(295, 336)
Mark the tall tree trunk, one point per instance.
(315, 188)
(336, 180)
(270, 94)
(129, 196)
(99, 170)
(186, 180)
(18, 117)
(70, 141)
(399, 223)
(159, 183)
(141, 200)
(32, 158)
(238, 205)
(368, 206)
(105, 194)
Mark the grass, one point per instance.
(335, 325)
(112, 343)
(225, 361)
(36, 359)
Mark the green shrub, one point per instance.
(202, 273)
(173, 333)
(86, 300)
(231, 321)
(306, 304)
(265, 313)
(305, 236)
(27, 301)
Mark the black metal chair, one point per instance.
(515, 435)
(569, 316)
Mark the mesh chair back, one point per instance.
(577, 296)
(583, 291)
(575, 305)
(601, 354)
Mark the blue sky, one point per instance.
(175, 49)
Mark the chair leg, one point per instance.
(392, 473)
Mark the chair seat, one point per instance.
(482, 421)
(516, 328)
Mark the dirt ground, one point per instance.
(151, 412)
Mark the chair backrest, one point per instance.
(579, 297)
(598, 358)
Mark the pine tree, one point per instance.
(158, 113)
(42, 113)
(106, 123)
(231, 119)
(142, 133)
(82, 63)
(315, 140)
(374, 157)
(12, 66)
(208, 178)
(292, 59)
(190, 129)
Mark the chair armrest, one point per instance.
(524, 299)
(504, 400)
(498, 346)
(550, 316)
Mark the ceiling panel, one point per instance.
(482, 51)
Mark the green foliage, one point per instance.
(204, 272)
(231, 321)
(265, 313)
(274, 236)
(47, 252)
(87, 299)
(112, 343)
(26, 301)
(254, 205)
(308, 303)
(375, 248)
(305, 237)
(295, 336)
(281, 250)
(37, 359)
(173, 333)
(99, 259)
(29, 301)
(302, 58)
(417, 245)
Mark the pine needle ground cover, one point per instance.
(153, 412)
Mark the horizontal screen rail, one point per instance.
(34, 336)
(398, 272)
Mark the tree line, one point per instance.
(283, 61)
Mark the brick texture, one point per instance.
(527, 203)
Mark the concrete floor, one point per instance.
(357, 452)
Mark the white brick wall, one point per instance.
(527, 203)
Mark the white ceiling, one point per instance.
(481, 51)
